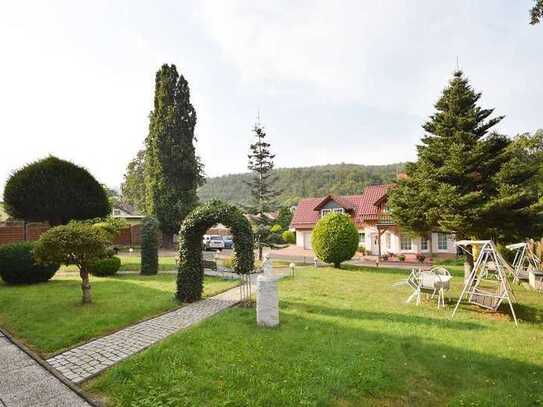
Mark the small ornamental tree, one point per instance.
(76, 244)
(335, 238)
(150, 241)
(55, 191)
(191, 273)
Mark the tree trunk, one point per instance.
(85, 286)
(337, 265)
(260, 252)
(431, 247)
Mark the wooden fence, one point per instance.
(11, 232)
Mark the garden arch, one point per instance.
(190, 276)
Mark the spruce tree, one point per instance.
(173, 172)
(467, 180)
(263, 192)
(536, 13)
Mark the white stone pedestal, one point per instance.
(267, 302)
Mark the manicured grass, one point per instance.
(49, 317)
(346, 338)
(133, 263)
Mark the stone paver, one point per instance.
(85, 361)
(24, 382)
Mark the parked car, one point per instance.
(213, 242)
(228, 242)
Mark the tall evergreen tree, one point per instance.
(263, 192)
(173, 172)
(133, 186)
(536, 13)
(469, 181)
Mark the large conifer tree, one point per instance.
(467, 180)
(173, 172)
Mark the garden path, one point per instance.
(25, 382)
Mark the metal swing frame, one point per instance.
(481, 271)
(525, 260)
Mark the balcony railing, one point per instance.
(385, 219)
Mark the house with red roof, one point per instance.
(377, 231)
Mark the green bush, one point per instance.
(55, 191)
(276, 228)
(150, 242)
(289, 236)
(17, 265)
(105, 267)
(361, 249)
(335, 238)
(401, 257)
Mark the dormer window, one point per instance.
(330, 210)
(116, 212)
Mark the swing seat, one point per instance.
(486, 299)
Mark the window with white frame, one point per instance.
(442, 241)
(388, 240)
(361, 237)
(405, 242)
(423, 243)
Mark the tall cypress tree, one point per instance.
(263, 192)
(173, 172)
(472, 182)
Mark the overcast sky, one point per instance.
(335, 81)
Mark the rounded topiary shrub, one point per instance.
(289, 236)
(335, 238)
(105, 267)
(150, 242)
(55, 191)
(17, 265)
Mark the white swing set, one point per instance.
(525, 261)
(487, 285)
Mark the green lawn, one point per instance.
(133, 263)
(49, 317)
(346, 339)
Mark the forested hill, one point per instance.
(295, 183)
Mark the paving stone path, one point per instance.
(24, 382)
(81, 363)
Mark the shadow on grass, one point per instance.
(382, 316)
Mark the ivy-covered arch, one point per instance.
(190, 276)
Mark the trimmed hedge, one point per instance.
(335, 238)
(17, 265)
(150, 242)
(105, 267)
(191, 273)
